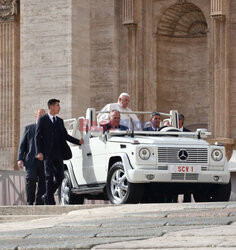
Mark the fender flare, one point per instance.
(125, 160)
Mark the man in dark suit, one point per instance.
(114, 122)
(181, 124)
(52, 148)
(34, 167)
(154, 123)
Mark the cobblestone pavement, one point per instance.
(141, 226)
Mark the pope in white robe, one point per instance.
(129, 120)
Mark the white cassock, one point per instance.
(125, 119)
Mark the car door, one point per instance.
(81, 160)
(98, 154)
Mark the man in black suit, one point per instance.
(52, 148)
(181, 124)
(34, 167)
(154, 123)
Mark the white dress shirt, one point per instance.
(51, 117)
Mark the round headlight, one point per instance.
(144, 153)
(217, 155)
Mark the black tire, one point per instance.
(66, 197)
(220, 192)
(122, 192)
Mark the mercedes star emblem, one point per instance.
(183, 155)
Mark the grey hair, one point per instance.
(181, 117)
(112, 111)
(123, 94)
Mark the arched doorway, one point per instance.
(182, 63)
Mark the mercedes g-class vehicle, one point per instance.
(142, 166)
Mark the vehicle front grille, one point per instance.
(184, 176)
(177, 176)
(204, 168)
(171, 155)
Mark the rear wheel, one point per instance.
(66, 197)
(119, 189)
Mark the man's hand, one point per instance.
(20, 164)
(81, 141)
(40, 156)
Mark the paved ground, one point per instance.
(142, 226)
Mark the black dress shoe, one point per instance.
(45, 199)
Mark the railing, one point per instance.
(12, 188)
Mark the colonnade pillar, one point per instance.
(220, 110)
(9, 84)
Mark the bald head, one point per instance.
(115, 118)
(39, 113)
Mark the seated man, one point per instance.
(129, 120)
(181, 124)
(114, 122)
(154, 123)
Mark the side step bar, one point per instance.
(88, 190)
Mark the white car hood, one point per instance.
(166, 140)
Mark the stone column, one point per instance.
(129, 22)
(132, 64)
(8, 84)
(220, 113)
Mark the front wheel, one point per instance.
(119, 189)
(66, 197)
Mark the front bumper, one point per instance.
(145, 175)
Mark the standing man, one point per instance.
(52, 148)
(34, 167)
(129, 120)
(154, 123)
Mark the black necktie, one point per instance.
(54, 119)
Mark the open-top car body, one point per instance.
(142, 166)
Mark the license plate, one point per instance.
(185, 168)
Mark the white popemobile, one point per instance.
(143, 166)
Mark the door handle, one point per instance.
(89, 154)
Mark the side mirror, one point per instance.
(203, 133)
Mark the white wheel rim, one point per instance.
(119, 185)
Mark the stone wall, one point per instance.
(80, 91)
(46, 70)
(182, 80)
(176, 66)
(104, 53)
